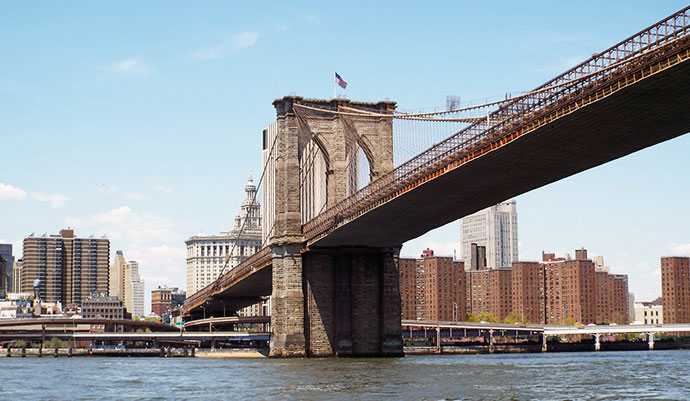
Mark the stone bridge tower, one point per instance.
(343, 301)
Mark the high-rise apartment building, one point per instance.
(432, 288)
(64, 268)
(528, 291)
(6, 270)
(126, 284)
(489, 291)
(570, 290)
(675, 289)
(407, 269)
(206, 253)
(496, 229)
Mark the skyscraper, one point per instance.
(6, 270)
(206, 253)
(496, 229)
(64, 268)
(126, 284)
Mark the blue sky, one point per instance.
(141, 121)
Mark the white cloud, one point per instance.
(162, 188)
(55, 200)
(133, 196)
(8, 192)
(130, 66)
(145, 237)
(160, 264)
(231, 44)
(125, 224)
(680, 249)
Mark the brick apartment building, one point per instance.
(64, 268)
(675, 289)
(528, 291)
(553, 291)
(432, 288)
(489, 290)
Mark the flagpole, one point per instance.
(334, 86)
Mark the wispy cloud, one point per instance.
(680, 249)
(227, 46)
(55, 200)
(124, 223)
(162, 188)
(133, 196)
(8, 192)
(130, 66)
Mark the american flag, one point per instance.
(340, 81)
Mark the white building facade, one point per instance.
(206, 254)
(126, 284)
(495, 228)
(134, 290)
(648, 313)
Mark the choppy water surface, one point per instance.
(563, 376)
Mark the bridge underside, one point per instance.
(241, 294)
(653, 110)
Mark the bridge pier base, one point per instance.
(352, 303)
(597, 343)
(335, 303)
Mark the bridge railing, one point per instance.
(258, 259)
(630, 54)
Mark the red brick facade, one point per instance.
(528, 291)
(432, 288)
(675, 289)
(489, 291)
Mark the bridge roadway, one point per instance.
(553, 143)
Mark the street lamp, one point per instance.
(204, 311)
(455, 311)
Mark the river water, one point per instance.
(555, 376)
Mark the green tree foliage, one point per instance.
(482, 317)
(569, 322)
(19, 344)
(515, 317)
(54, 343)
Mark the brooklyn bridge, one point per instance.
(331, 243)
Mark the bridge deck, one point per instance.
(651, 111)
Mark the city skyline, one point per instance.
(149, 138)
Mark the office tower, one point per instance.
(206, 253)
(496, 229)
(126, 284)
(6, 270)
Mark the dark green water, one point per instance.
(563, 376)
